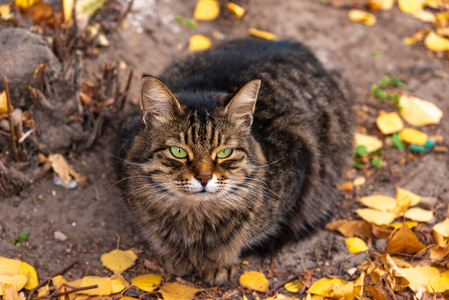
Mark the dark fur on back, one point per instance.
(291, 158)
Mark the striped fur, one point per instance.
(279, 182)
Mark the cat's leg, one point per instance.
(178, 268)
(218, 275)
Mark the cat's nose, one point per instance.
(203, 178)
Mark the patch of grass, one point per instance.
(22, 236)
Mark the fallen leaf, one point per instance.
(350, 228)
(18, 281)
(406, 198)
(10, 292)
(26, 3)
(237, 10)
(346, 186)
(3, 103)
(294, 286)
(334, 288)
(10, 266)
(254, 280)
(371, 143)
(409, 224)
(5, 15)
(379, 202)
(375, 5)
(439, 252)
(413, 136)
(67, 9)
(361, 16)
(104, 285)
(206, 10)
(28, 270)
(419, 214)
(63, 169)
(435, 42)
(128, 298)
(425, 16)
(438, 285)
(418, 112)
(411, 6)
(389, 123)
(42, 13)
(262, 34)
(442, 228)
(404, 241)
(117, 285)
(375, 216)
(199, 42)
(147, 282)
(417, 37)
(177, 291)
(359, 180)
(356, 245)
(118, 260)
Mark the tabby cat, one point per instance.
(236, 147)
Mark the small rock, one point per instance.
(429, 201)
(58, 235)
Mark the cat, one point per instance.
(236, 147)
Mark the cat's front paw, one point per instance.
(182, 268)
(219, 276)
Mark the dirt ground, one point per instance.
(93, 217)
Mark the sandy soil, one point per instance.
(93, 216)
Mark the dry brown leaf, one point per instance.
(350, 228)
(439, 252)
(405, 241)
(63, 169)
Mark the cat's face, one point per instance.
(197, 156)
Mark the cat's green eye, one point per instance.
(178, 152)
(224, 153)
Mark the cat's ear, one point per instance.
(156, 100)
(242, 105)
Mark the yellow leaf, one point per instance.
(26, 3)
(435, 42)
(128, 298)
(416, 37)
(445, 274)
(334, 288)
(118, 260)
(442, 228)
(28, 270)
(206, 10)
(375, 216)
(3, 102)
(364, 17)
(67, 9)
(418, 112)
(117, 286)
(262, 34)
(356, 245)
(346, 186)
(425, 16)
(389, 123)
(254, 280)
(413, 136)
(379, 202)
(43, 291)
(58, 281)
(63, 169)
(18, 281)
(5, 15)
(371, 143)
(10, 292)
(405, 241)
(237, 10)
(199, 42)
(419, 214)
(177, 291)
(294, 286)
(409, 224)
(406, 198)
(438, 285)
(435, 4)
(104, 285)
(359, 180)
(10, 266)
(147, 282)
(411, 6)
(376, 5)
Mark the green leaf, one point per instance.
(376, 161)
(358, 164)
(360, 150)
(377, 54)
(384, 81)
(398, 83)
(23, 235)
(394, 98)
(397, 142)
(15, 241)
(185, 22)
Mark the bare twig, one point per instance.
(125, 13)
(11, 123)
(74, 290)
(42, 283)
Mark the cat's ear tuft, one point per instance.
(156, 100)
(242, 105)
